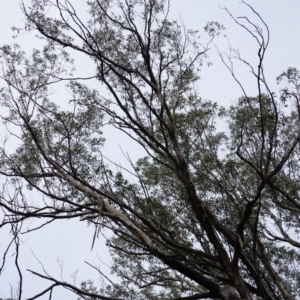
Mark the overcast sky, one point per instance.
(70, 242)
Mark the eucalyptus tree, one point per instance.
(206, 214)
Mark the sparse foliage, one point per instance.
(207, 213)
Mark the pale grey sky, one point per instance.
(70, 241)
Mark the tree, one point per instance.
(209, 214)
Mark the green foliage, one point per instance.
(88, 287)
(211, 211)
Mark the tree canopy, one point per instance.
(207, 213)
